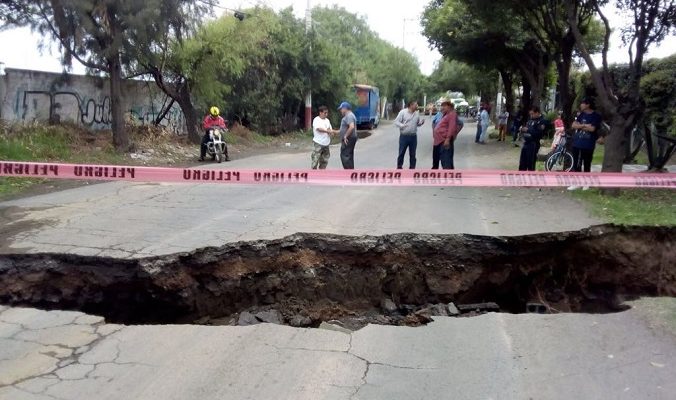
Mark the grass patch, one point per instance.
(61, 143)
(11, 186)
(598, 154)
(654, 207)
(640, 159)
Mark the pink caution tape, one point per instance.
(467, 178)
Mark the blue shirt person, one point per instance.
(587, 126)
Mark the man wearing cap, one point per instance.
(348, 135)
(587, 126)
(444, 136)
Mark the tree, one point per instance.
(198, 70)
(471, 81)
(258, 69)
(365, 58)
(651, 22)
(548, 21)
(107, 36)
(468, 31)
(658, 91)
(156, 58)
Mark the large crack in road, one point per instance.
(307, 279)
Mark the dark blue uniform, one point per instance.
(516, 125)
(529, 153)
(584, 142)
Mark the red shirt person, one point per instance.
(213, 120)
(444, 135)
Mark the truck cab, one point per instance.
(367, 109)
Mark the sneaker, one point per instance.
(201, 159)
(571, 188)
(585, 188)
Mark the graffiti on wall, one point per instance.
(64, 105)
(147, 115)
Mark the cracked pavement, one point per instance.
(135, 220)
(59, 355)
(70, 355)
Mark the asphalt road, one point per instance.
(66, 355)
(136, 220)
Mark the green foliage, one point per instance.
(363, 57)
(36, 143)
(633, 207)
(44, 143)
(259, 70)
(107, 36)
(658, 90)
(455, 75)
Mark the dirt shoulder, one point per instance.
(151, 147)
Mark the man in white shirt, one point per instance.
(322, 130)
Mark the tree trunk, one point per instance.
(537, 87)
(615, 143)
(192, 122)
(508, 82)
(526, 100)
(563, 66)
(120, 135)
(164, 112)
(533, 64)
(180, 93)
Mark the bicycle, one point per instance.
(561, 160)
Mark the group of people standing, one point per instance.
(447, 124)
(587, 133)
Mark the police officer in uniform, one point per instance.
(532, 133)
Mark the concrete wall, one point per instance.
(27, 96)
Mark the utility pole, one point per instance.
(403, 31)
(308, 97)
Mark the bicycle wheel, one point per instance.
(559, 162)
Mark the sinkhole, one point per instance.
(311, 279)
